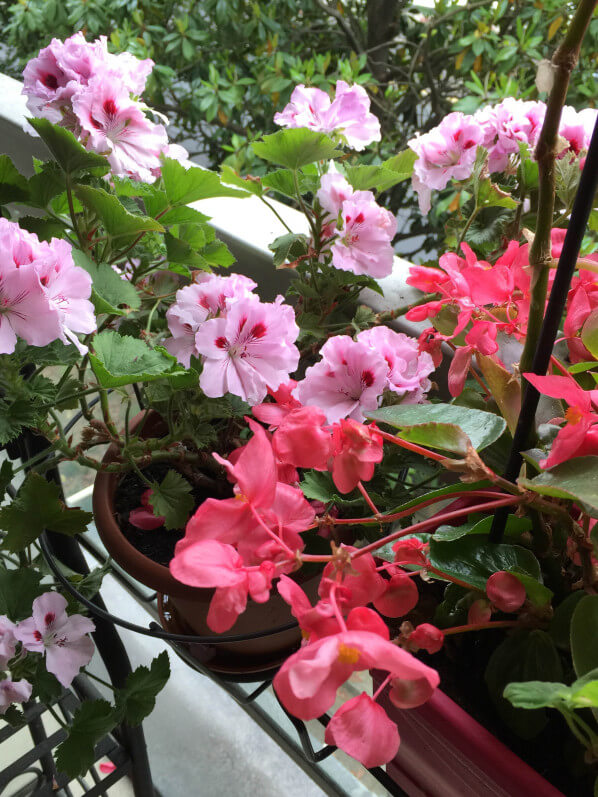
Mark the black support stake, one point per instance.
(582, 207)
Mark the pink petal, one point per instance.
(362, 729)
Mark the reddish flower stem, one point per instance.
(337, 612)
(283, 545)
(367, 498)
(425, 452)
(382, 686)
(437, 519)
(461, 629)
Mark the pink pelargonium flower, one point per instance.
(248, 350)
(348, 114)
(194, 304)
(115, 125)
(68, 288)
(408, 368)
(8, 641)
(308, 681)
(334, 190)
(348, 380)
(364, 245)
(215, 564)
(579, 436)
(445, 153)
(61, 638)
(143, 517)
(25, 309)
(362, 729)
(508, 124)
(356, 451)
(13, 692)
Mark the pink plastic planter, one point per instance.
(446, 753)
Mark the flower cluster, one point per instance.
(62, 639)
(246, 346)
(44, 296)
(95, 94)
(347, 115)
(448, 152)
(360, 230)
(353, 374)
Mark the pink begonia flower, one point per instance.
(8, 641)
(445, 153)
(61, 638)
(356, 451)
(362, 729)
(505, 591)
(25, 309)
(579, 436)
(348, 114)
(215, 564)
(315, 621)
(301, 439)
(348, 380)
(248, 350)
(308, 681)
(408, 368)
(208, 297)
(112, 123)
(14, 692)
(261, 502)
(143, 517)
(410, 694)
(426, 637)
(479, 612)
(400, 597)
(411, 551)
(273, 414)
(364, 245)
(360, 584)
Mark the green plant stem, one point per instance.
(303, 207)
(150, 316)
(574, 728)
(563, 62)
(276, 213)
(69, 197)
(110, 425)
(99, 680)
(470, 221)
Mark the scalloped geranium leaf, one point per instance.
(93, 720)
(138, 697)
(109, 290)
(18, 589)
(70, 155)
(172, 500)
(117, 220)
(295, 147)
(576, 479)
(183, 186)
(121, 360)
(444, 426)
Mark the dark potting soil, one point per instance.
(554, 753)
(157, 544)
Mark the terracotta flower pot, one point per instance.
(444, 752)
(184, 609)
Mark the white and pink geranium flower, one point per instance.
(95, 94)
(44, 296)
(61, 638)
(363, 228)
(348, 114)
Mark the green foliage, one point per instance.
(36, 507)
(93, 720)
(121, 360)
(576, 479)
(138, 697)
(295, 148)
(185, 186)
(115, 218)
(288, 248)
(70, 155)
(18, 590)
(584, 633)
(172, 499)
(445, 426)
